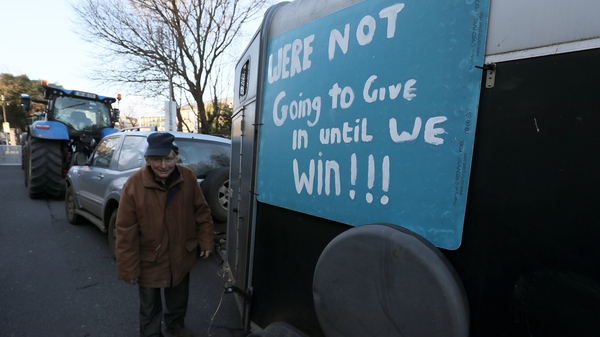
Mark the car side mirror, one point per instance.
(25, 102)
(116, 114)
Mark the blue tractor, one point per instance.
(71, 122)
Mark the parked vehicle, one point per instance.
(93, 186)
(72, 121)
(406, 169)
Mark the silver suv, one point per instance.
(93, 186)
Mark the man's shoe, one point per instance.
(182, 332)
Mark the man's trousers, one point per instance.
(176, 302)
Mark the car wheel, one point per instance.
(112, 234)
(215, 188)
(70, 208)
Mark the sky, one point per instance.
(38, 39)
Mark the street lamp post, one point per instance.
(3, 109)
(5, 125)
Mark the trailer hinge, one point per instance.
(490, 75)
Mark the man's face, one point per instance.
(162, 166)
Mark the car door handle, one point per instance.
(101, 176)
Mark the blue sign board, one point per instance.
(368, 115)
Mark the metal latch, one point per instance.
(490, 75)
(234, 289)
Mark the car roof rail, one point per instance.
(139, 128)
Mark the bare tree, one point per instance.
(164, 47)
(127, 112)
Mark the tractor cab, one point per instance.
(80, 114)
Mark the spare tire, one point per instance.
(278, 329)
(215, 188)
(384, 280)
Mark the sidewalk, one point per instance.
(10, 155)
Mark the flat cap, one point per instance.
(160, 144)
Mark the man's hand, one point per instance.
(205, 254)
(132, 282)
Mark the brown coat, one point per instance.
(158, 244)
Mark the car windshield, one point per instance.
(203, 156)
(81, 114)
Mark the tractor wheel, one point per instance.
(23, 149)
(25, 163)
(44, 168)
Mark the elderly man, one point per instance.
(162, 220)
